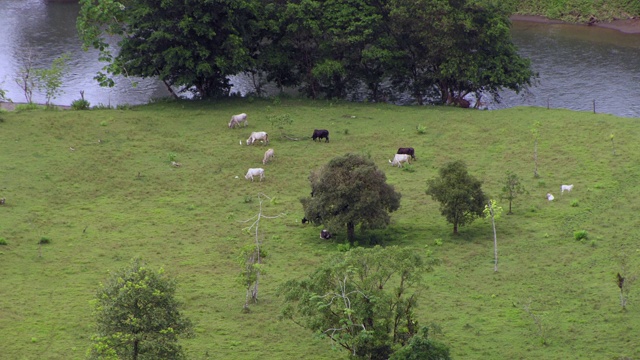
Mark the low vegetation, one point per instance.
(582, 11)
(105, 194)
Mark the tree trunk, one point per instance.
(351, 232)
(136, 349)
(455, 228)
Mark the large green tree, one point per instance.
(459, 194)
(363, 300)
(194, 45)
(138, 317)
(449, 48)
(348, 191)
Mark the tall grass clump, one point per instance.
(580, 235)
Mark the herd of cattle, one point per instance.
(403, 155)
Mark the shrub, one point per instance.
(28, 107)
(124, 107)
(172, 156)
(3, 241)
(421, 129)
(102, 106)
(80, 104)
(574, 203)
(438, 242)
(580, 235)
(44, 240)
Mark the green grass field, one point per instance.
(116, 196)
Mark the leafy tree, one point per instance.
(192, 44)
(493, 210)
(421, 347)
(363, 300)
(25, 77)
(50, 80)
(349, 191)
(138, 316)
(459, 194)
(450, 48)
(512, 189)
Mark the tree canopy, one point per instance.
(363, 300)
(434, 50)
(459, 194)
(348, 191)
(137, 316)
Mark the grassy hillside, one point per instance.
(116, 196)
(576, 10)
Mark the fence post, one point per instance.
(594, 106)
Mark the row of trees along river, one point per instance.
(578, 67)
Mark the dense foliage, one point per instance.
(363, 300)
(459, 194)
(138, 316)
(436, 50)
(349, 191)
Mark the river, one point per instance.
(577, 64)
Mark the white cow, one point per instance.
(400, 159)
(550, 197)
(237, 119)
(566, 187)
(267, 156)
(255, 136)
(255, 172)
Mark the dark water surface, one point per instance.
(577, 64)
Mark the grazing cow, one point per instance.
(325, 234)
(255, 136)
(305, 220)
(267, 156)
(2, 201)
(255, 172)
(320, 134)
(550, 197)
(400, 159)
(566, 187)
(237, 119)
(407, 151)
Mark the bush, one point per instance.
(580, 235)
(574, 203)
(44, 240)
(28, 107)
(421, 129)
(3, 241)
(80, 104)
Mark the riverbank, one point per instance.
(627, 26)
(10, 106)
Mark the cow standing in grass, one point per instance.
(400, 159)
(237, 120)
(320, 134)
(259, 135)
(255, 172)
(407, 151)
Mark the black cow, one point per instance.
(324, 234)
(407, 151)
(320, 134)
(304, 220)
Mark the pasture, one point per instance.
(101, 187)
